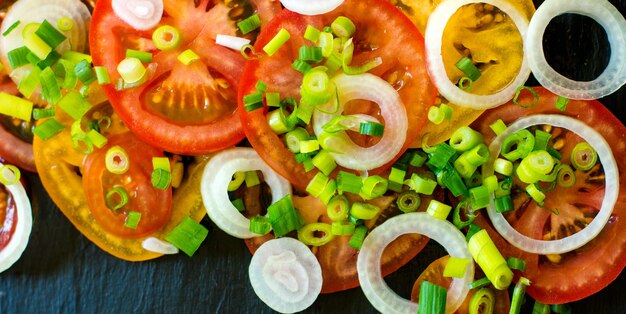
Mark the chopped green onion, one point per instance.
(418, 158)
(102, 75)
(463, 209)
(535, 194)
(283, 216)
(342, 228)
(316, 87)
(455, 267)
(348, 182)
(161, 163)
(9, 174)
(475, 180)
(522, 140)
(294, 137)
(117, 160)
(432, 299)
(476, 156)
(532, 91)
(167, 37)
(329, 191)
(471, 231)
(76, 57)
(96, 138)
(310, 53)
(50, 89)
(346, 59)
(40, 113)
(561, 103)
(491, 183)
(260, 225)
(503, 166)
(505, 186)
(188, 56)
(483, 301)
(317, 184)
(518, 295)
(343, 27)
(84, 72)
(465, 83)
(65, 24)
(465, 138)
(187, 236)
(372, 129)
(566, 177)
(536, 167)
(37, 46)
(249, 24)
(116, 198)
(356, 241)
(50, 35)
(87, 146)
(132, 220)
(479, 197)
(28, 85)
(464, 167)
(490, 260)
(308, 234)
(480, 283)
(396, 179)
(333, 63)
(468, 68)
(325, 162)
(440, 156)
(74, 105)
(325, 42)
(161, 179)
(516, 263)
(309, 146)
(583, 156)
(540, 308)
(66, 69)
(252, 178)
(374, 186)
(561, 308)
(48, 129)
(50, 60)
(498, 127)
(131, 70)
(365, 211)
(541, 140)
(273, 45)
(438, 209)
(301, 66)
(252, 55)
(408, 201)
(18, 57)
(239, 204)
(276, 123)
(236, 181)
(272, 99)
(311, 33)
(143, 56)
(338, 208)
(333, 142)
(451, 179)
(436, 115)
(253, 101)
(16, 107)
(11, 28)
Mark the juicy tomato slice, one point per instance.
(381, 31)
(61, 168)
(8, 217)
(190, 109)
(434, 274)
(600, 261)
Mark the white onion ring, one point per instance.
(373, 88)
(313, 7)
(611, 181)
(16, 246)
(285, 275)
(376, 290)
(155, 245)
(140, 14)
(603, 12)
(433, 40)
(218, 173)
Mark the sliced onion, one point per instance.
(433, 40)
(155, 245)
(368, 87)
(140, 14)
(14, 249)
(214, 188)
(611, 182)
(613, 77)
(232, 42)
(376, 290)
(311, 7)
(36, 11)
(285, 275)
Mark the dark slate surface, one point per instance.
(61, 271)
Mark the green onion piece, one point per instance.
(541, 140)
(464, 167)
(131, 70)
(505, 186)
(418, 158)
(465, 138)
(143, 56)
(408, 201)
(540, 308)
(84, 91)
(518, 295)
(65, 24)
(479, 197)
(116, 198)
(333, 142)
(260, 86)
(11, 28)
(346, 60)
(16, 107)
(40, 113)
(522, 140)
(239, 204)
(309, 234)
(435, 115)
(74, 105)
(48, 129)
(76, 57)
(475, 180)
(325, 42)
(310, 53)
(396, 179)
(236, 181)
(316, 87)
(252, 178)
(300, 157)
(365, 211)
(81, 138)
(9, 174)
(440, 156)
(455, 267)
(309, 146)
(132, 220)
(464, 210)
(374, 186)
(535, 167)
(161, 179)
(167, 37)
(32, 58)
(358, 237)
(503, 203)
(117, 160)
(338, 208)
(50, 89)
(301, 66)
(561, 103)
(283, 216)
(37, 46)
(329, 191)
(486, 254)
(343, 27)
(333, 63)
(348, 182)
(561, 308)
(66, 69)
(483, 301)
(516, 263)
(276, 123)
(50, 35)
(28, 85)
(503, 166)
(432, 299)
(305, 111)
(451, 179)
(372, 129)
(480, 283)
(289, 112)
(50, 60)
(253, 101)
(498, 127)
(18, 57)
(187, 236)
(355, 221)
(272, 99)
(311, 33)
(438, 209)
(96, 138)
(102, 75)
(260, 225)
(532, 91)
(566, 177)
(471, 231)
(342, 228)
(273, 45)
(583, 157)
(554, 153)
(188, 57)
(468, 68)
(249, 53)
(294, 137)
(317, 184)
(325, 162)
(161, 163)
(249, 24)
(477, 156)
(491, 183)
(465, 83)
(535, 194)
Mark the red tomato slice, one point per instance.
(585, 271)
(8, 217)
(183, 109)
(381, 31)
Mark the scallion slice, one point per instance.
(283, 216)
(466, 66)
(583, 157)
(432, 299)
(438, 209)
(348, 182)
(275, 43)
(249, 24)
(18, 57)
(16, 107)
(260, 225)
(48, 129)
(50, 90)
(117, 160)
(187, 236)
(116, 198)
(374, 186)
(356, 241)
(315, 234)
(338, 208)
(143, 56)
(311, 33)
(65, 24)
(49, 34)
(372, 129)
(131, 70)
(343, 27)
(408, 201)
(11, 28)
(167, 37)
(74, 105)
(188, 57)
(132, 220)
(9, 174)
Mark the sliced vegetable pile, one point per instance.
(363, 140)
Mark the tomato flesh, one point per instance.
(8, 217)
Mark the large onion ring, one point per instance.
(311, 7)
(611, 181)
(611, 79)
(219, 172)
(376, 290)
(140, 14)
(286, 275)
(16, 246)
(433, 40)
(372, 88)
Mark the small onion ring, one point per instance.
(156, 245)
(433, 40)
(16, 246)
(611, 181)
(218, 173)
(311, 7)
(368, 87)
(376, 290)
(140, 14)
(286, 275)
(603, 12)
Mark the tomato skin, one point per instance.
(599, 262)
(374, 20)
